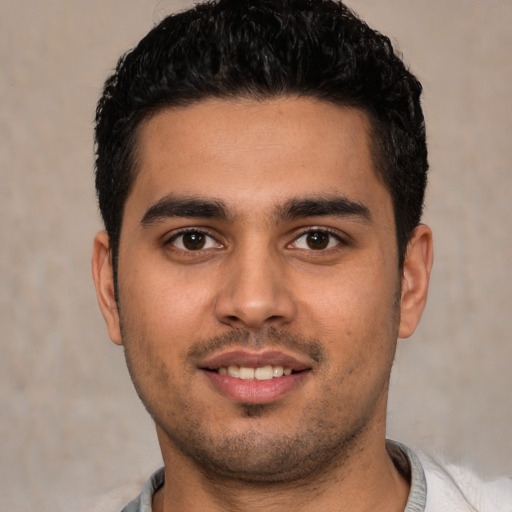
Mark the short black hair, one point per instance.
(265, 49)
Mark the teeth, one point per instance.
(263, 373)
(277, 371)
(234, 371)
(246, 373)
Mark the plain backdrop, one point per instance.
(71, 425)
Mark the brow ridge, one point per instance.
(172, 206)
(322, 206)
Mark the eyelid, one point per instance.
(340, 237)
(176, 234)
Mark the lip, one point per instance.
(255, 391)
(255, 360)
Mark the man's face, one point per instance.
(257, 241)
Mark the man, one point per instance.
(261, 168)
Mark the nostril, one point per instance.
(253, 320)
(251, 307)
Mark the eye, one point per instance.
(193, 240)
(317, 240)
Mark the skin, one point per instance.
(260, 283)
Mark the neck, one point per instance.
(364, 480)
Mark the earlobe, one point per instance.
(103, 276)
(415, 279)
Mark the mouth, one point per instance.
(267, 372)
(255, 377)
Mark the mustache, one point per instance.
(269, 337)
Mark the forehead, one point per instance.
(251, 154)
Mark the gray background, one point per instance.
(70, 423)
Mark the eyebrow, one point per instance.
(322, 207)
(175, 206)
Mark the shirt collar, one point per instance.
(405, 460)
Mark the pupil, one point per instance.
(193, 241)
(318, 240)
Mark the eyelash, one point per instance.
(199, 231)
(324, 231)
(302, 235)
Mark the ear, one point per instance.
(103, 275)
(416, 276)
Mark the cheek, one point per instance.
(350, 302)
(355, 315)
(164, 302)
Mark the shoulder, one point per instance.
(117, 499)
(112, 501)
(456, 487)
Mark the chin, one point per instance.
(268, 458)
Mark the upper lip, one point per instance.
(251, 359)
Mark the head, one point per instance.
(261, 170)
(263, 50)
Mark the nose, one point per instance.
(255, 292)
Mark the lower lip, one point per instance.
(255, 391)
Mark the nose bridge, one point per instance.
(254, 292)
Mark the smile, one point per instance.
(267, 372)
(257, 377)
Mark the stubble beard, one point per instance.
(320, 442)
(260, 459)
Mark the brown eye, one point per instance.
(318, 240)
(194, 241)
